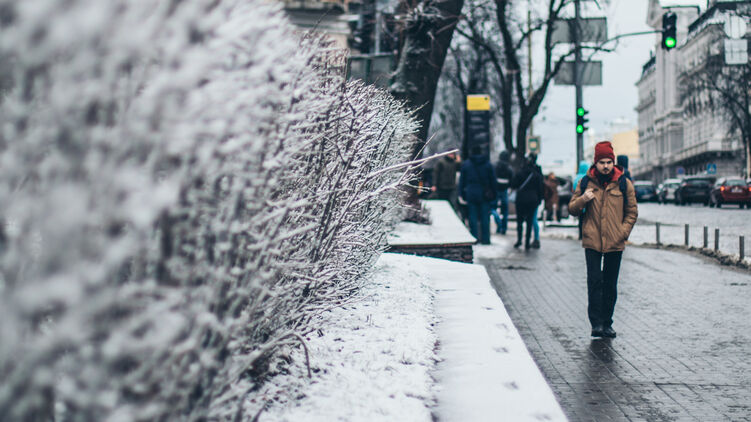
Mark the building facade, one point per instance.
(332, 18)
(680, 132)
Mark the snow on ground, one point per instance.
(446, 228)
(485, 372)
(372, 358)
(425, 339)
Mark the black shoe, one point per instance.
(517, 244)
(598, 331)
(526, 246)
(608, 332)
(536, 244)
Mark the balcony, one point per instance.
(313, 5)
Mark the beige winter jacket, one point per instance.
(606, 224)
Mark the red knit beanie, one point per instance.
(604, 150)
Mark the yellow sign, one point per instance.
(478, 102)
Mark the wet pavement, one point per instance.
(683, 322)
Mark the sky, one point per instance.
(615, 99)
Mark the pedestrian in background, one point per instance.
(551, 197)
(529, 190)
(535, 216)
(477, 186)
(503, 175)
(622, 160)
(607, 221)
(583, 169)
(444, 179)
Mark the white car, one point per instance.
(666, 190)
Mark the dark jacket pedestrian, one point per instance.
(622, 160)
(477, 186)
(503, 175)
(529, 191)
(607, 221)
(444, 179)
(503, 172)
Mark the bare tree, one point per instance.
(497, 29)
(428, 27)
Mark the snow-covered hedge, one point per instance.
(183, 185)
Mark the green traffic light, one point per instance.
(670, 42)
(580, 111)
(579, 128)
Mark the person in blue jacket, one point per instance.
(478, 187)
(583, 169)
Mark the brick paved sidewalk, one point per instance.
(683, 323)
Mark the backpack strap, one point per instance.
(624, 188)
(583, 182)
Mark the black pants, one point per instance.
(526, 216)
(602, 280)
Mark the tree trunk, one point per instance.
(428, 36)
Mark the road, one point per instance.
(732, 222)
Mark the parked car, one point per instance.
(694, 189)
(645, 191)
(731, 190)
(666, 190)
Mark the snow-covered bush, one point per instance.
(183, 185)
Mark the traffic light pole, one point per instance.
(578, 79)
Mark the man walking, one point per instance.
(503, 176)
(606, 201)
(529, 190)
(477, 186)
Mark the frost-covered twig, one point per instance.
(179, 202)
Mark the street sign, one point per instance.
(680, 171)
(594, 30)
(477, 124)
(591, 74)
(478, 102)
(712, 168)
(533, 144)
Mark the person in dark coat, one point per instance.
(477, 187)
(503, 175)
(444, 179)
(622, 160)
(529, 191)
(532, 158)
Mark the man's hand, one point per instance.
(433, 188)
(588, 195)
